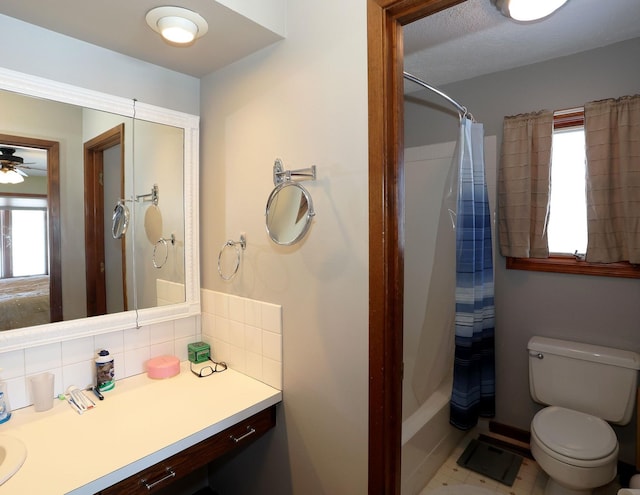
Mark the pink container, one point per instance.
(163, 367)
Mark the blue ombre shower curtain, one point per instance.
(473, 392)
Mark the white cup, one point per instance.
(42, 391)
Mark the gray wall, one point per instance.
(597, 310)
(303, 100)
(40, 52)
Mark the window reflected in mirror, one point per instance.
(56, 262)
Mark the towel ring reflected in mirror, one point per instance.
(165, 243)
(289, 209)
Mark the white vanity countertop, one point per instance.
(139, 423)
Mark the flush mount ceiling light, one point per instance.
(527, 10)
(176, 24)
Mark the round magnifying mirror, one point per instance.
(289, 211)
(153, 224)
(120, 220)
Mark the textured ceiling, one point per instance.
(468, 40)
(474, 38)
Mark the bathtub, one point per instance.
(427, 440)
(429, 316)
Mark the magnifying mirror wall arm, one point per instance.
(33, 336)
(281, 175)
(153, 196)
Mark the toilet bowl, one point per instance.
(578, 451)
(571, 439)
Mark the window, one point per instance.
(24, 247)
(567, 226)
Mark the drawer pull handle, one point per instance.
(250, 431)
(170, 474)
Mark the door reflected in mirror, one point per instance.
(88, 172)
(288, 214)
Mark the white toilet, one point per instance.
(584, 386)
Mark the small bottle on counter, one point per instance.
(104, 371)
(5, 408)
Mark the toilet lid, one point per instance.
(574, 434)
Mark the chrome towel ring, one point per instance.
(238, 246)
(162, 242)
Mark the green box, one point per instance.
(199, 352)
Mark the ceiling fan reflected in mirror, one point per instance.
(12, 165)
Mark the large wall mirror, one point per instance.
(69, 157)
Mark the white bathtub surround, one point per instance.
(72, 362)
(244, 333)
(427, 440)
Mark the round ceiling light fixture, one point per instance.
(527, 10)
(176, 24)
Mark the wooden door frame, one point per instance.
(385, 19)
(94, 218)
(52, 148)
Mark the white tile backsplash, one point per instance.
(272, 317)
(236, 308)
(72, 361)
(244, 333)
(43, 358)
(162, 333)
(236, 334)
(12, 364)
(272, 345)
(162, 349)
(253, 313)
(221, 304)
(253, 339)
(134, 360)
(137, 338)
(169, 292)
(78, 350)
(113, 342)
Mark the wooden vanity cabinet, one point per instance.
(162, 474)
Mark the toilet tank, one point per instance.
(600, 381)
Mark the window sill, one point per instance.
(568, 264)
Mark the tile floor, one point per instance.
(530, 480)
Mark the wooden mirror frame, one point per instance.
(52, 149)
(385, 19)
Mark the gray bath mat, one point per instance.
(492, 462)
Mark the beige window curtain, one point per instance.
(524, 185)
(612, 135)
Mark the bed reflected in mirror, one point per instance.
(59, 259)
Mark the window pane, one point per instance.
(28, 242)
(568, 216)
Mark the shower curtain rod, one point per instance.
(461, 109)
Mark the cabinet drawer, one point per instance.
(160, 475)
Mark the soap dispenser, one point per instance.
(5, 408)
